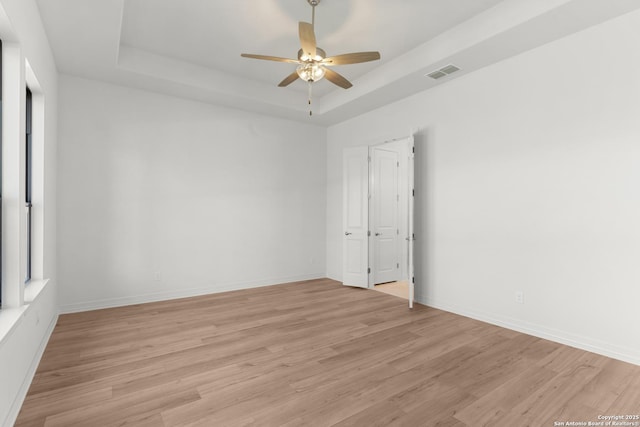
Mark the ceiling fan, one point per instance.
(313, 62)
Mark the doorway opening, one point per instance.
(378, 217)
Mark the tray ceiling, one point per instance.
(191, 48)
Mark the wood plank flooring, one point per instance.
(313, 353)
(398, 289)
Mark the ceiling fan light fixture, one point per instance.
(320, 55)
(310, 72)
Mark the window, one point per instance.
(0, 172)
(21, 108)
(28, 181)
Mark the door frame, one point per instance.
(409, 233)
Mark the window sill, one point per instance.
(33, 288)
(10, 317)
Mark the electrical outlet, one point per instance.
(520, 297)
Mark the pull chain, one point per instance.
(310, 91)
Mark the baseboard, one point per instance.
(562, 337)
(182, 293)
(12, 416)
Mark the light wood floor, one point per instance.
(398, 289)
(313, 353)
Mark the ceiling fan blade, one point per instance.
(307, 39)
(270, 58)
(337, 79)
(351, 58)
(289, 79)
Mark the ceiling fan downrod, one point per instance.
(313, 4)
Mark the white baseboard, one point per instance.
(562, 337)
(12, 416)
(182, 293)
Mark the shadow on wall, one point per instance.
(423, 175)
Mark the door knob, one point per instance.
(346, 233)
(378, 234)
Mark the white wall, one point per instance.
(25, 329)
(528, 181)
(162, 197)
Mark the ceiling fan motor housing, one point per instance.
(320, 55)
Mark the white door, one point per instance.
(385, 227)
(411, 230)
(355, 216)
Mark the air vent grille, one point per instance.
(437, 75)
(443, 72)
(449, 69)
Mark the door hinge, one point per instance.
(397, 231)
(413, 192)
(398, 164)
(413, 280)
(398, 265)
(413, 149)
(368, 270)
(369, 233)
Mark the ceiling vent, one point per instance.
(443, 72)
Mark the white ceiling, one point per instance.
(191, 48)
(213, 34)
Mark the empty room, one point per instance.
(320, 213)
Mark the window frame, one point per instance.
(29, 181)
